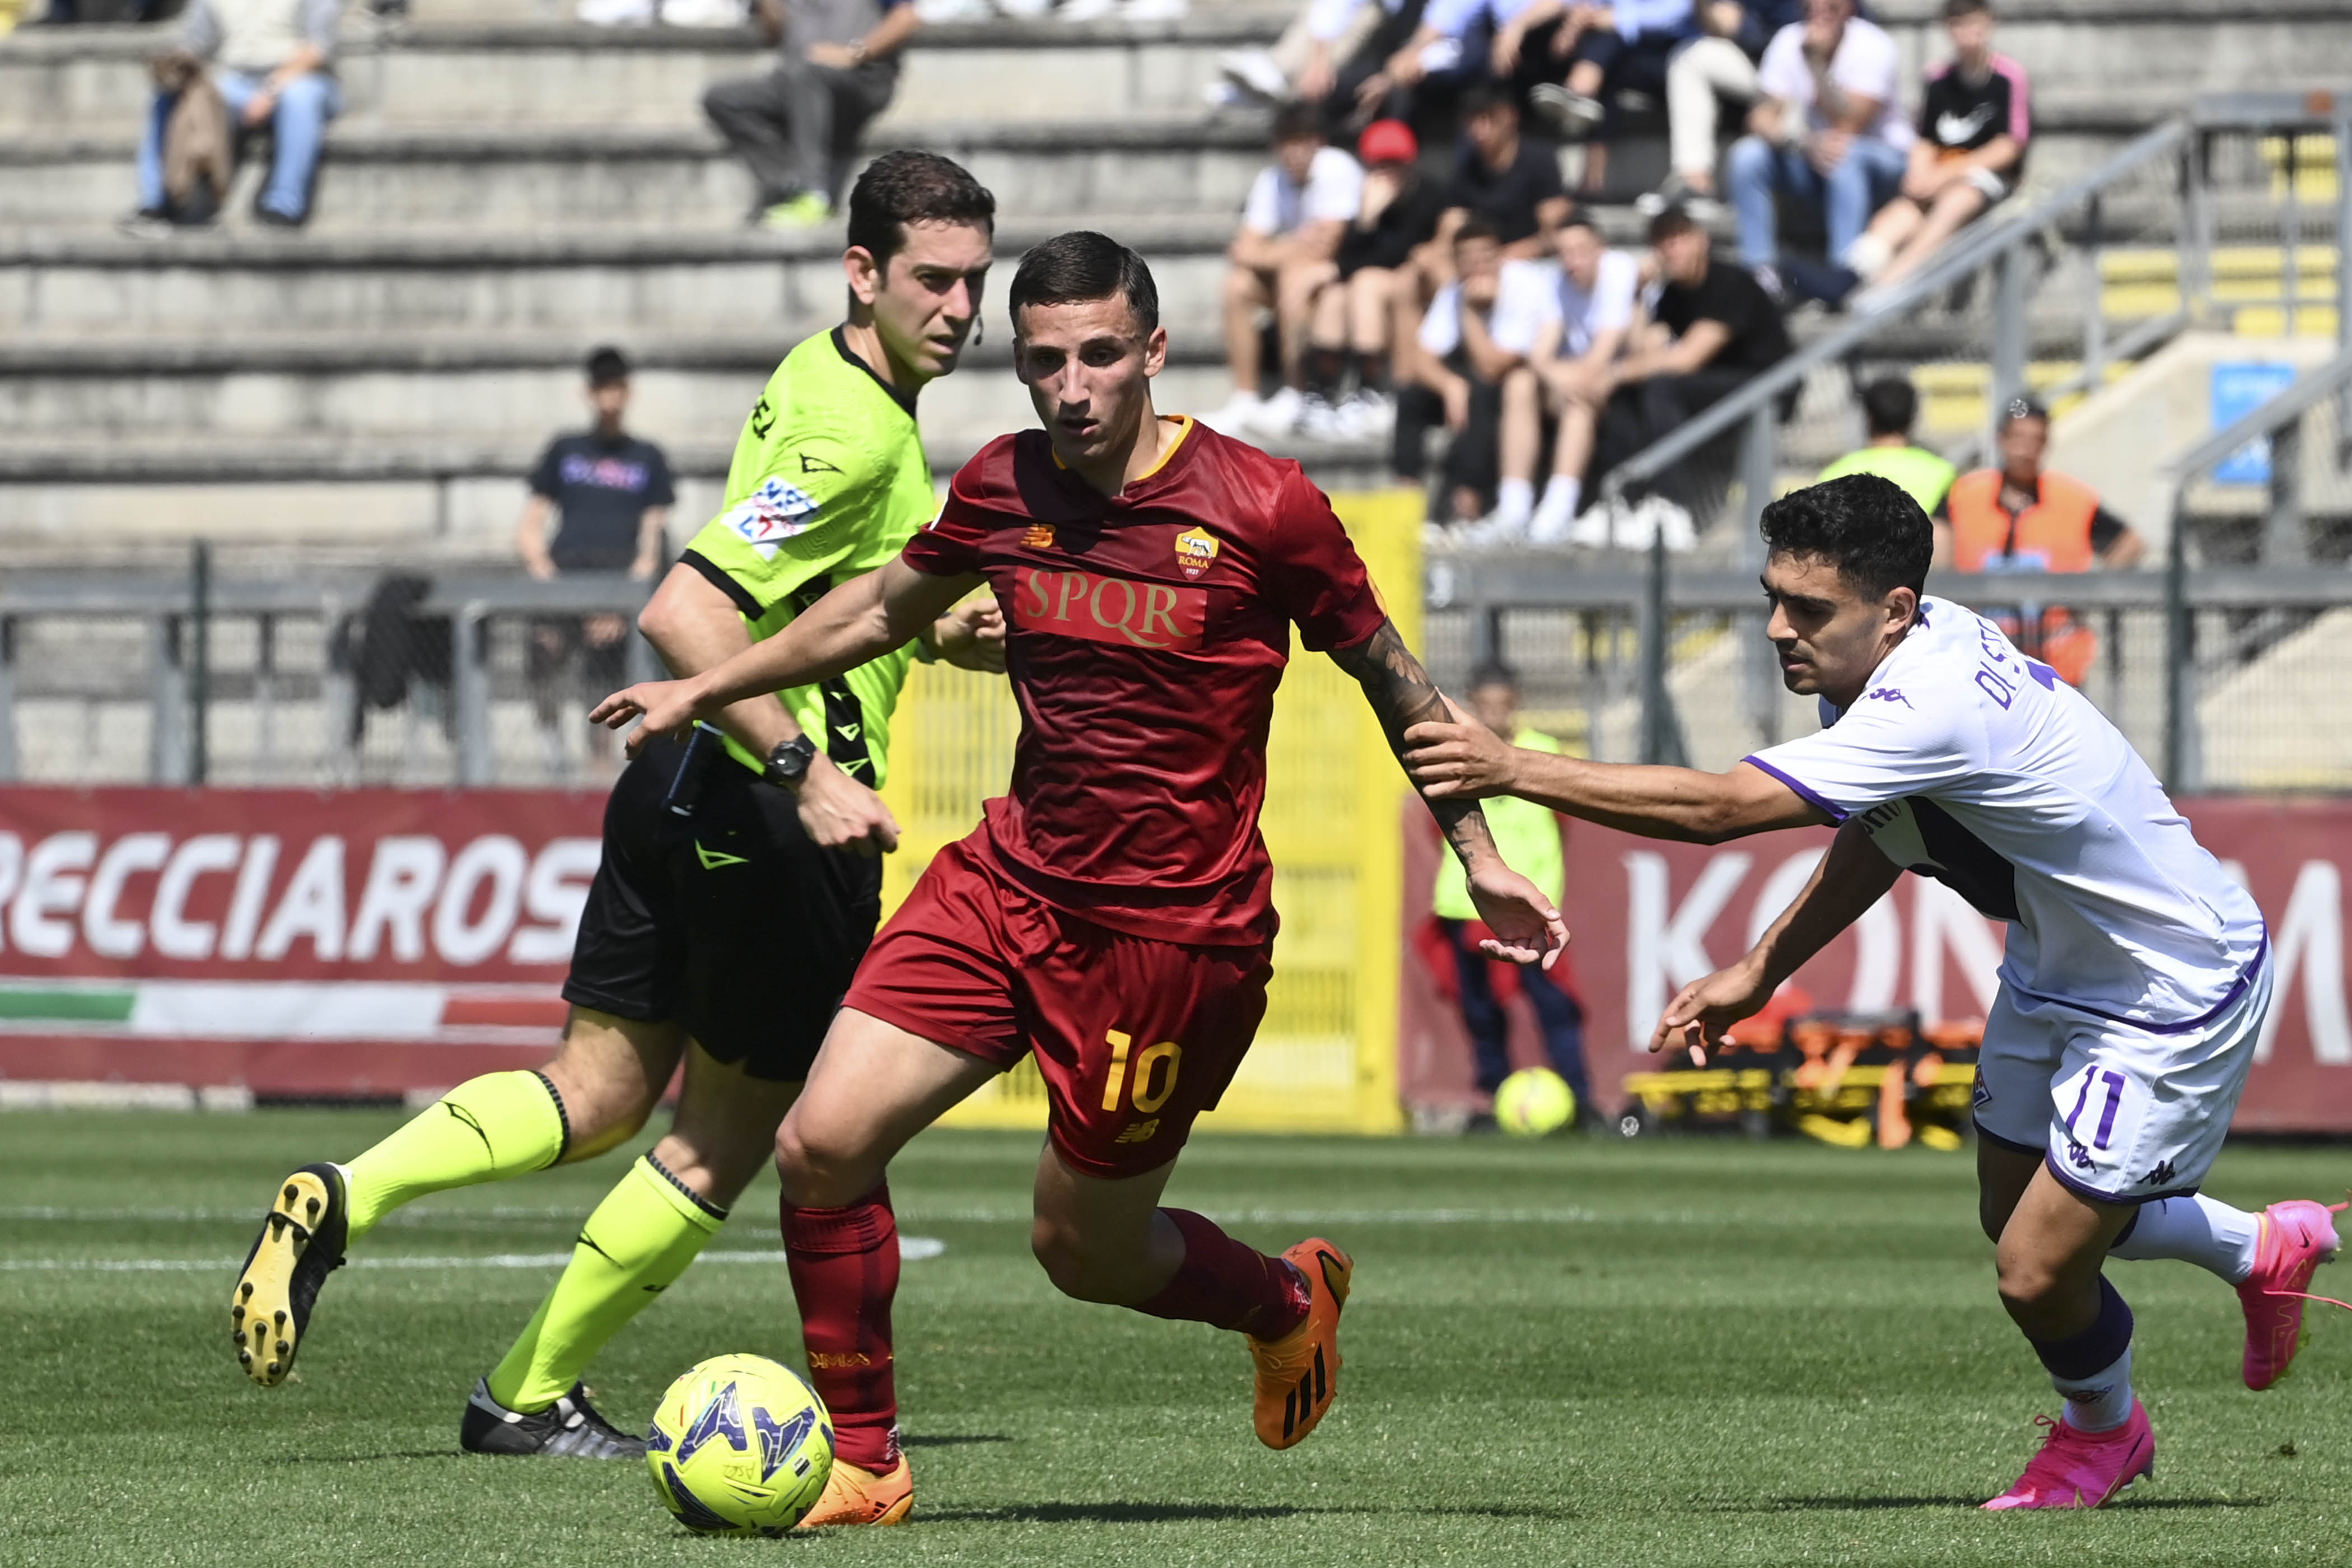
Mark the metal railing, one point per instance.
(316, 678)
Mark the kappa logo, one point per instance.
(1885, 694)
(1038, 536)
(1196, 551)
(2162, 1176)
(712, 858)
(772, 513)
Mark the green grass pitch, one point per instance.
(1690, 1352)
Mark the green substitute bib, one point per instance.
(1917, 472)
(829, 481)
(1527, 836)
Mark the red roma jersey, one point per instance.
(1145, 635)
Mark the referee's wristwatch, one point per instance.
(788, 764)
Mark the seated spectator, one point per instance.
(1586, 322)
(1890, 407)
(271, 62)
(1450, 55)
(1605, 49)
(611, 496)
(1478, 330)
(1284, 255)
(1527, 836)
(1974, 124)
(2021, 517)
(1353, 319)
(1712, 329)
(1829, 133)
(1706, 72)
(796, 127)
(1322, 57)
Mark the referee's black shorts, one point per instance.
(729, 921)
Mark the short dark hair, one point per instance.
(1486, 97)
(1084, 265)
(1577, 218)
(1868, 528)
(908, 186)
(1477, 228)
(1956, 9)
(1494, 672)
(608, 365)
(1673, 221)
(1297, 122)
(1890, 405)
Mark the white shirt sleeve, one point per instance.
(1613, 291)
(1868, 65)
(1781, 72)
(1262, 213)
(1452, 18)
(1526, 296)
(1884, 749)
(1335, 188)
(1328, 19)
(1441, 328)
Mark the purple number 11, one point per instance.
(2114, 1082)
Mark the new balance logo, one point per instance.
(712, 859)
(1138, 1133)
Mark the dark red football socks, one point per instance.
(844, 1268)
(1229, 1286)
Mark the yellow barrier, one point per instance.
(1325, 1060)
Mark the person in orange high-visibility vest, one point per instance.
(2020, 518)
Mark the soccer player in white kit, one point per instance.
(2135, 973)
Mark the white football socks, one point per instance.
(1514, 500)
(2195, 1230)
(2101, 1401)
(1556, 511)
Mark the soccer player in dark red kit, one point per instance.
(1113, 913)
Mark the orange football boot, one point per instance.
(854, 1496)
(1298, 1374)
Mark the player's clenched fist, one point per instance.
(667, 707)
(1703, 1012)
(1463, 760)
(1526, 925)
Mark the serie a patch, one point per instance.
(772, 514)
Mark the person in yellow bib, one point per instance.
(740, 884)
(1527, 837)
(1890, 407)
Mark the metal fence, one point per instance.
(2225, 669)
(328, 678)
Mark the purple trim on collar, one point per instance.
(2245, 979)
(1828, 808)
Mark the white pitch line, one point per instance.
(912, 1248)
(1004, 1216)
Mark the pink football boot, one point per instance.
(2298, 1236)
(2084, 1469)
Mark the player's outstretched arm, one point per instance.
(1457, 759)
(1525, 922)
(1850, 877)
(863, 620)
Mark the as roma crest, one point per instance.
(1196, 549)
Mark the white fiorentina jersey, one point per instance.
(1966, 761)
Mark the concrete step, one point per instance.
(380, 178)
(94, 78)
(604, 285)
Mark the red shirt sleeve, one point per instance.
(949, 545)
(1314, 573)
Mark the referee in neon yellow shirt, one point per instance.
(1890, 407)
(1528, 837)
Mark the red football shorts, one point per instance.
(1134, 1037)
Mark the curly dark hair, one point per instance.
(913, 186)
(1868, 528)
(1084, 265)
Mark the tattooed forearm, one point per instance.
(1402, 695)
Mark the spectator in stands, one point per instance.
(1711, 329)
(1586, 321)
(1450, 55)
(1890, 407)
(1974, 124)
(1477, 331)
(2021, 517)
(1528, 836)
(796, 127)
(1285, 255)
(271, 61)
(1605, 48)
(1325, 54)
(610, 494)
(1354, 319)
(1716, 67)
(1829, 133)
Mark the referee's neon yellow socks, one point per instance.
(485, 1129)
(636, 1245)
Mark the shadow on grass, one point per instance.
(952, 1439)
(1873, 1504)
(1181, 1512)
